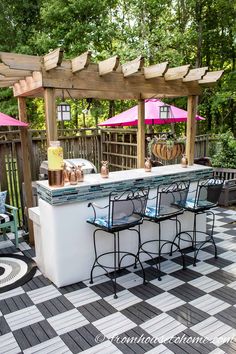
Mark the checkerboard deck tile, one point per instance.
(199, 302)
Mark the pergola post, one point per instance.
(26, 166)
(50, 113)
(141, 134)
(191, 128)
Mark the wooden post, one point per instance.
(141, 134)
(50, 113)
(191, 128)
(26, 166)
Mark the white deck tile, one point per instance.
(170, 267)
(214, 330)
(11, 293)
(96, 280)
(103, 348)
(202, 255)
(82, 297)
(67, 321)
(8, 344)
(125, 299)
(129, 280)
(167, 282)
(43, 294)
(206, 284)
(209, 304)
(114, 324)
(165, 301)
(51, 346)
(161, 349)
(228, 245)
(163, 327)
(203, 268)
(229, 255)
(23, 318)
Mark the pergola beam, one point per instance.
(53, 59)
(195, 74)
(132, 66)
(157, 70)
(177, 73)
(21, 61)
(81, 62)
(108, 66)
(8, 72)
(211, 77)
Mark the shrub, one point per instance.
(225, 155)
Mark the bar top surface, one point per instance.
(94, 186)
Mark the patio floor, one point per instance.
(198, 304)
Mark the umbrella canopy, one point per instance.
(152, 115)
(6, 120)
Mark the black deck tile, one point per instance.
(34, 334)
(219, 262)
(4, 328)
(106, 288)
(211, 249)
(186, 274)
(231, 232)
(188, 260)
(226, 294)
(151, 273)
(128, 343)
(229, 348)
(222, 276)
(36, 283)
(15, 303)
(187, 292)
(55, 306)
(185, 347)
(188, 315)
(146, 291)
(228, 316)
(29, 253)
(96, 310)
(81, 339)
(155, 260)
(73, 287)
(141, 312)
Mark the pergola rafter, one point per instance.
(50, 76)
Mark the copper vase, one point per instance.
(104, 169)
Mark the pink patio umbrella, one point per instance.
(152, 115)
(6, 120)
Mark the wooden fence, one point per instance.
(83, 143)
(117, 146)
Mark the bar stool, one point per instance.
(204, 198)
(165, 205)
(124, 212)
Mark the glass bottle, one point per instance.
(73, 176)
(104, 169)
(184, 161)
(55, 164)
(80, 174)
(148, 165)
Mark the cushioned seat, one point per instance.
(125, 211)
(205, 197)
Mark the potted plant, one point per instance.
(167, 146)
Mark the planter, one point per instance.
(166, 152)
(228, 194)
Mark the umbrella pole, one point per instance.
(141, 134)
(26, 165)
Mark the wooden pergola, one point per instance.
(51, 76)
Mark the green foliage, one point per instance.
(225, 155)
(199, 32)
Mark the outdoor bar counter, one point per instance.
(63, 239)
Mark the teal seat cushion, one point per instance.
(2, 201)
(102, 221)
